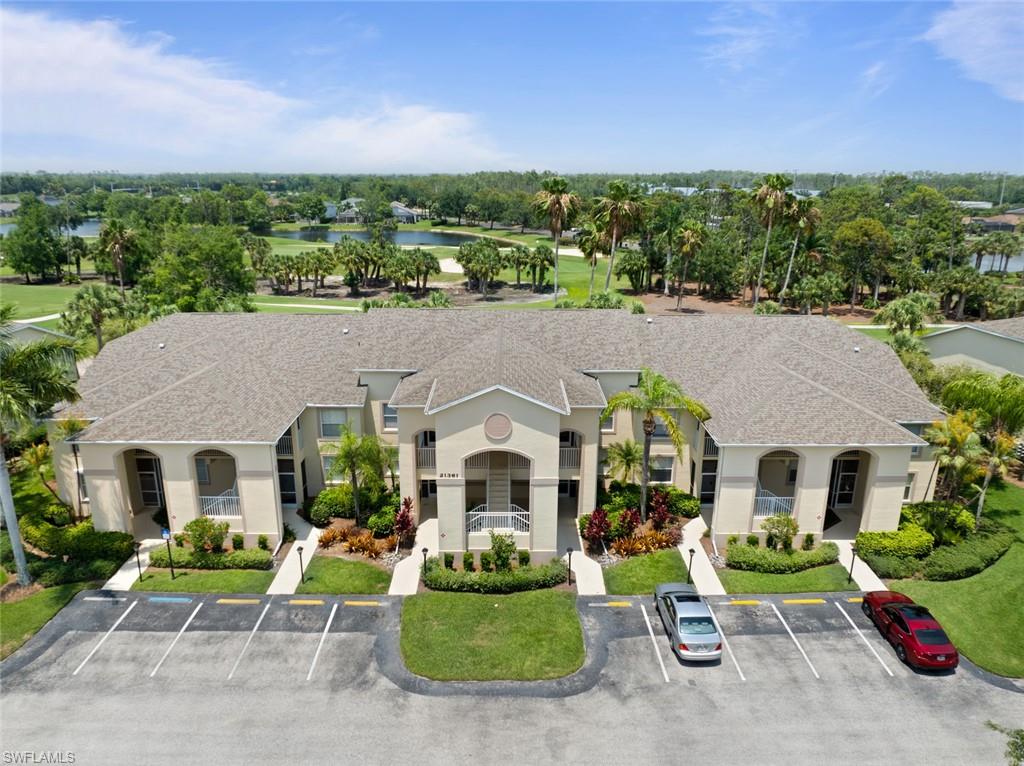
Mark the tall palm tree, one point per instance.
(558, 205)
(957, 451)
(805, 216)
(690, 239)
(625, 459)
(619, 211)
(355, 457)
(771, 200)
(996, 462)
(999, 401)
(89, 309)
(656, 398)
(117, 239)
(33, 377)
(590, 240)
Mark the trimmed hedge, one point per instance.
(81, 541)
(337, 503)
(248, 558)
(512, 581)
(680, 503)
(908, 540)
(954, 562)
(54, 570)
(892, 567)
(769, 561)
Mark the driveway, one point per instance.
(201, 678)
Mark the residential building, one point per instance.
(496, 417)
(347, 211)
(996, 346)
(25, 332)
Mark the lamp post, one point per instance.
(569, 551)
(138, 563)
(853, 558)
(689, 568)
(302, 570)
(425, 550)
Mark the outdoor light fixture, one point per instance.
(302, 571)
(425, 551)
(853, 558)
(689, 569)
(138, 563)
(569, 551)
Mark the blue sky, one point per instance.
(395, 87)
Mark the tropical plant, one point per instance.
(999, 401)
(558, 206)
(804, 216)
(354, 457)
(618, 212)
(689, 239)
(996, 462)
(625, 459)
(957, 450)
(655, 398)
(771, 199)
(38, 458)
(781, 529)
(591, 240)
(116, 239)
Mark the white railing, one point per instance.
(481, 520)
(482, 460)
(710, 446)
(426, 457)
(227, 503)
(284, 445)
(768, 504)
(568, 457)
(518, 461)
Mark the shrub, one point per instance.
(781, 529)
(57, 514)
(503, 547)
(753, 541)
(660, 513)
(332, 503)
(706, 532)
(179, 540)
(55, 571)
(364, 545)
(908, 540)
(252, 558)
(954, 562)
(523, 557)
(626, 523)
(515, 580)
(770, 561)
(732, 540)
(389, 543)
(333, 536)
(628, 546)
(382, 523)
(449, 561)
(808, 543)
(263, 542)
(405, 527)
(80, 541)
(680, 503)
(655, 540)
(468, 562)
(892, 567)
(767, 308)
(582, 523)
(597, 526)
(287, 534)
(621, 497)
(205, 534)
(237, 541)
(486, 561)
(947, 522)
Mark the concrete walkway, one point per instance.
(306, 535)
(586, 573)
(863, 575)
(125, 577)
(321, 306)
(406, 579)
(35, 320)
(702, 572)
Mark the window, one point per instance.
(660, 430)
(389, 415)
(791, 467)
(567, 488)
(916, 429)
(328, 462)
(83, 492)
(908, 488)
(602, 463)
(202, 470)
(428, 488)
(661, 469)
(708, 478)
(428, 439)
(568, 439)
(331, 421)
(608, 424)
(286, 480)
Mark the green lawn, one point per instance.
(983, 614)
(301, 300)
(882, 333)
(638, 575)
(471, 637)
(326, 574)
(37, 300)
(206, 581)
(20, 620)
(830, 577)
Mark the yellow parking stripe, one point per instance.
(741, 602)
(620, 604)
(856, 599)
(306, 601)
(362, 603)
(803, 601)
(238, 601)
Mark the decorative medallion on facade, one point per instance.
(497, 426)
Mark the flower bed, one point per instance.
(522, 578)
(186, 558)
(767, 561)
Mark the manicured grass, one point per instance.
(206, 581)
(882, 333)
(471, 637)
(326, 574)
(830, 577)
(37, 300)
(638, 575)
(301, 299)
(983, 614)
(20, 620)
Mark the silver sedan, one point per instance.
(687, 618)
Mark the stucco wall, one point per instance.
(992, 349)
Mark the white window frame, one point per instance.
(658, 423)
(203, 474)
(908, 488)
(325, 462)
(344, 420)
(671, 469)
(82, 487)
(385, 415)
(610, 429)
(917, 429)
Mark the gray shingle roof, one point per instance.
(245, 377)
(1013, 327)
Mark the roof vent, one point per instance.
(856, 349)
(344, 331)
(163, 346)
(650, 320)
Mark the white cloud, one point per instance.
(740, 33)
(986, 40)
(876, 79)
(127, 102)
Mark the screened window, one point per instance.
(82, 491)
(708, 477)
(916, 429)
(661, 470)
(331, 421)
(908, 488)
(608, 424)
(202, 470)
(328, 463)
(660, 429)
(389, 416)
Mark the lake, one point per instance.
(90, 228)
(426, 238)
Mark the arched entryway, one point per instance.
(777, 475)
(146, 497)
(216, 479)
(497, 492)
(847, 490)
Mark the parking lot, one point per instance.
(235, 679)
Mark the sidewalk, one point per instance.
(406, 579)
(125, 577)
(306, 535)
(586, 573)
(863, 575)
(702, 572)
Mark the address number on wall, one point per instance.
(449, 476)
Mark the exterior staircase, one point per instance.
(498, 483)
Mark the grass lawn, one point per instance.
(20, 620)
(830, 577)
(327, 574)
(638, 575)
(37, 300)
(471, 637)
(206, 581)
(882, 333)
(983, 614)
(301, 300)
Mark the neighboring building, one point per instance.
(348, 211)
(403, 214)
(973, 204)
(1004, 222)
(996, 346)
(9, 209)
(497, 419)
(23, 332)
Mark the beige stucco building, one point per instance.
(496, 417)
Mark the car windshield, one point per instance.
(932, 636)
(696, 626)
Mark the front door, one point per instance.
(151, 485)
(843, 483)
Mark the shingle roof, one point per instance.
(1013, 327)
(245, 377)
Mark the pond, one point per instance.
(426, 238)
(90, 228)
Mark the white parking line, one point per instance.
(320, 644)
(248, 641)
(105, 636)
(654, 641)
(725, 643)
(863, 637)
(183, 627)
(786, 626)
(107, 599)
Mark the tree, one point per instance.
(619, 211)
(481, 260)
(625, 459)
(89, 309)
(996, 462)
(909, 313)
(860, 244)
(33, 377)
(519, 255)
(555, 203)
(804, 217)
(453, 201)
(590, 240)
(771, 200)
(542, 258)
(690, 239)
(259, 251)
(117, 240)
(491, 204)
(38, 457)
(354, 457)
(32, 247)
(957, 451)
(655, 398)
(310, 207)
(998, 401)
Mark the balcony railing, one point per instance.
(482, 520)
(226, 504)
(518, 461)
(768, 504)
(568, 457)
(284, 445)
(710, 446)
(481, 460)
(426, 457)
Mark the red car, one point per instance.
(916, 636)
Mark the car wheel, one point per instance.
(866, 608)
(901, 653)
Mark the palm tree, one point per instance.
(625, 459)
(996, 460)
(117, 239)
(67, 430)
(89, 309)
(805, 217)
(691, 239)
(355, 457)
(38, 458)
(619, 211)
(590, 240)
(999, 401)
(33, 377)
(656, 398)
(771, 199)
(957, 450)
(556, 203)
